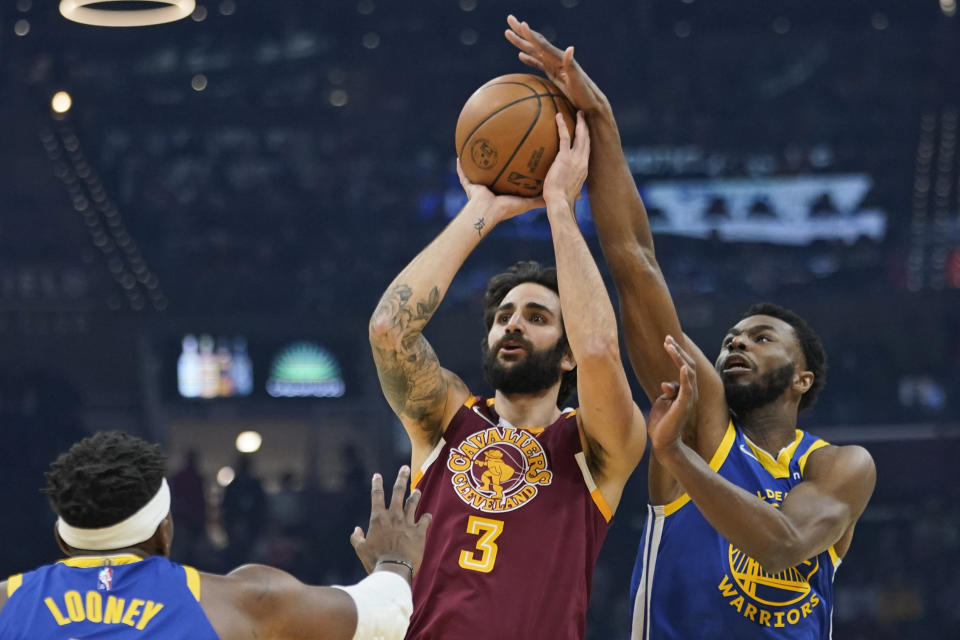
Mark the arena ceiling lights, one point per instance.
(91, 12)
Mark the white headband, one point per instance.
(136, 529)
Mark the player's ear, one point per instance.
(67, 551)
(163, 538)
(802, 381)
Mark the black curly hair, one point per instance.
(500, 285)
(104, 479)
(810, 344)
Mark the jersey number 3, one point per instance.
(488, 530)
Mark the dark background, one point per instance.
(265, 169)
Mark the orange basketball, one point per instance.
(507, 133)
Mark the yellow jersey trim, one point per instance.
(834, 556)
(470, 401)
(819, 444)
(85, 562)
(778, 467)
(602, 505)
(13, 583)
(193, 581)
(719, 456)
(418, 476)
(595, 494)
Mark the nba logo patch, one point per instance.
(105, 579)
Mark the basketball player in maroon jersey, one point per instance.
(521, 491)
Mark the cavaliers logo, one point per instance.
(498, 469)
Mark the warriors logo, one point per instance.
(498, 469)
(769, 599)
(778, 589)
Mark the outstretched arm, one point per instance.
(612, 425)
(256, 601)
(422, 394)
(818, 512)
(646, 308)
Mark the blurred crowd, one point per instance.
(281, 521)
(274, 205)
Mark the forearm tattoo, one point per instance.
(410, 375)
(480, 225)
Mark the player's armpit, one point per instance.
(838, 483)
(613, 430)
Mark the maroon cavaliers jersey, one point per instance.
(517, 526)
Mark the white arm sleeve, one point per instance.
(384, 604)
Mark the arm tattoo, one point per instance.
(480, 225)
(410, 373)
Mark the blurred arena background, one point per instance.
(191, 248)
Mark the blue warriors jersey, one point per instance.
(690, 582)
(106, 598)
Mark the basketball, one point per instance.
(507, 133)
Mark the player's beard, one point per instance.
(744, 398)
(532, 373)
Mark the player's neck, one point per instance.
(771, 427)
(138, 551)
(528, 409)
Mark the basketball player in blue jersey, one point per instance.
(522, 491)
(117, 582)
(749, 516)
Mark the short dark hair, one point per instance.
(500, 285)
(104, 479)
(810, 344)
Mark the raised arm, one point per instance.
(257, 601)
(422, 394)
(612, 426)
(646, 308)
(818, 513)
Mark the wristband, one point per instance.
(401, 562)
